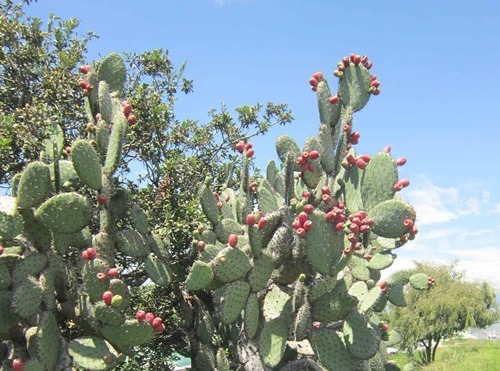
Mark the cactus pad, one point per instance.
(27, 298)
(200, 276)
(233, 300)
(389, 217)
(272, 341)
(419, 281)
(130, 333)
(158, 271)
(112, 70)
(86, 163)
(92, 353)
(34, 186)
(230, 265)
(330, 349)
(132, 243)
(251, 316)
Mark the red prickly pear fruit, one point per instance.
(250, 152)
(306, 194)
(18, 364)
(302, 218)
(86, 92)
(311, 168)
(347, 128)
(113, 272)
(339, 226)
(85, 255)
(98, 117)
(157, 321)
(262, 223)
(401, 161)
(252, 186)
(240, 146)
(127, 109)
(84, 69)
(316, 325)
(150, 317)
(404, 182)
(296, 224)
(381, 284)
(347, 250)
(201, 245)
(101, 276)
(318, 76)
(354, 228)
(325, 190)
(365, 158)
(414, 230)
(368, 65)
(301, 232)
(326, 198)
(91, 253)
(140, 315)
(330, 216)
(352, 237)
(83, 84)
(314, 154)
(107, 296)
(131, 119)
(250, 220)
(300, 160)
(351, 159)
(313, 82)
(387, 149)
(363, 59)
(346, 61)
(227, 198)
(1, 250)
(248, 146)
(364, 228)
(340, 67)
(361, 164)
(124, 102)
(356, 60)
(309, 209)
(68, 149)
(308, 225)
(375, 84)
(408, 223)
(373, 77)
(397, 187)
(353, 140)
(159, 329)
(305, 155)
(384, 327)
(232, 240)
(102, 200)
(304, 167)
(334, 100)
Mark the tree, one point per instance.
(452, 305)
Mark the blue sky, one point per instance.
(439, 106)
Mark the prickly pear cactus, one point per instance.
(59, 236)
(294, 259)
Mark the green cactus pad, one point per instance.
(158, 271)
(396, 294)
(105, 103)
(131, 333)
(27, 298)
(352, 179)
(358, 267)
(226, 227)
(277, 304)
(251, 317)
(231, 264)
(31, 265)
(93, 287)
(261, 272)
(386, 243)
(394, 338)
(205, 359)
(380, 304)
(330, 349)
(104, 245)
(266, 199)
(158, 247)
(200, 276)
(132, 243)
(45, 344)
(327, 158)
(354, 86)
(358, 290)
(401, 277)
(271, 173)
(329, 114)
(68, 176)
(360, 337)
(369, 299)
(284, 145)
(300, 292)
(324, 245)
(303, 322)
(102, 137)
(118, 133)
(65, 213)
(5, 277)
(108, 315)
(233, 300)
(381, 260)
(118, 287)
(228, 209)
(119, 203)
(419, 281)
(205, 327)
(139, 218)
(112, 70)
(280, 245)
(92, 353)
(7, 317)
(54, 141)
(34, 186)
(63, 241)
(47, 283)
(379, 177)
(222, 361)
(322, 287)
(11, 224)
(272, 341)
(211, 251)
(209, 205)
(86, 163)
(389, 217)
(334, 305)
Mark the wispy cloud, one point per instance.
(496, 209)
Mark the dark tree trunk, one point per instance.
(438, 338)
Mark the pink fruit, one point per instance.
(339, 226)
(313, 82)
(318, 76)
(1, 249)
(101, 277)
(405, 182)
(91, 253)
(364, 59)
(18, 364)
(250, 152)
(296, 224)
(250, 220)
(252, 186)
(375, 84)
(232, 240)
(309, 209)
(330, 216)
(408, 223)
(84, 69)
(365, 158)
(127, 109)
(325, 190)
(150, 317)
(354, 228)
(387, 149)
(381, 284)
(83, 84)
(313, 155)
(384, 327)
(131, 119)
(334, 100)
(308, 225)
(102, 200)
(248, 146)
(347, 250)
(356, 60)
(326, 198)
(113, 272)
(351, 159)
(107, 296)
(373, 77)
(160, 328)
(157, 321)
(302, 217)
(301, 232)
(262, 223)
(240, 146)
(368, 65)
(201, 245)
(401, 161)
(306, 194)
(98, 116)
(361, 164)
(352, 237)
(347, 128)
(346, 61)
(140, 315)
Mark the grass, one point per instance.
(460, 355)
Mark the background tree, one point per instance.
(452, 305)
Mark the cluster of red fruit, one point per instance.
(431, 281)
(412, 230)
(110, 299)
(112, 272)
(84, 85)
(257, 218)
(384, 287)
(302, 224)
(315, 80)
(360, 161)
(127, 111)
(358, 224)
(155, 322)
(243, 146)
(307, 160)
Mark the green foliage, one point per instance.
(452, 305)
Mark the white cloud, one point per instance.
(496, 210)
